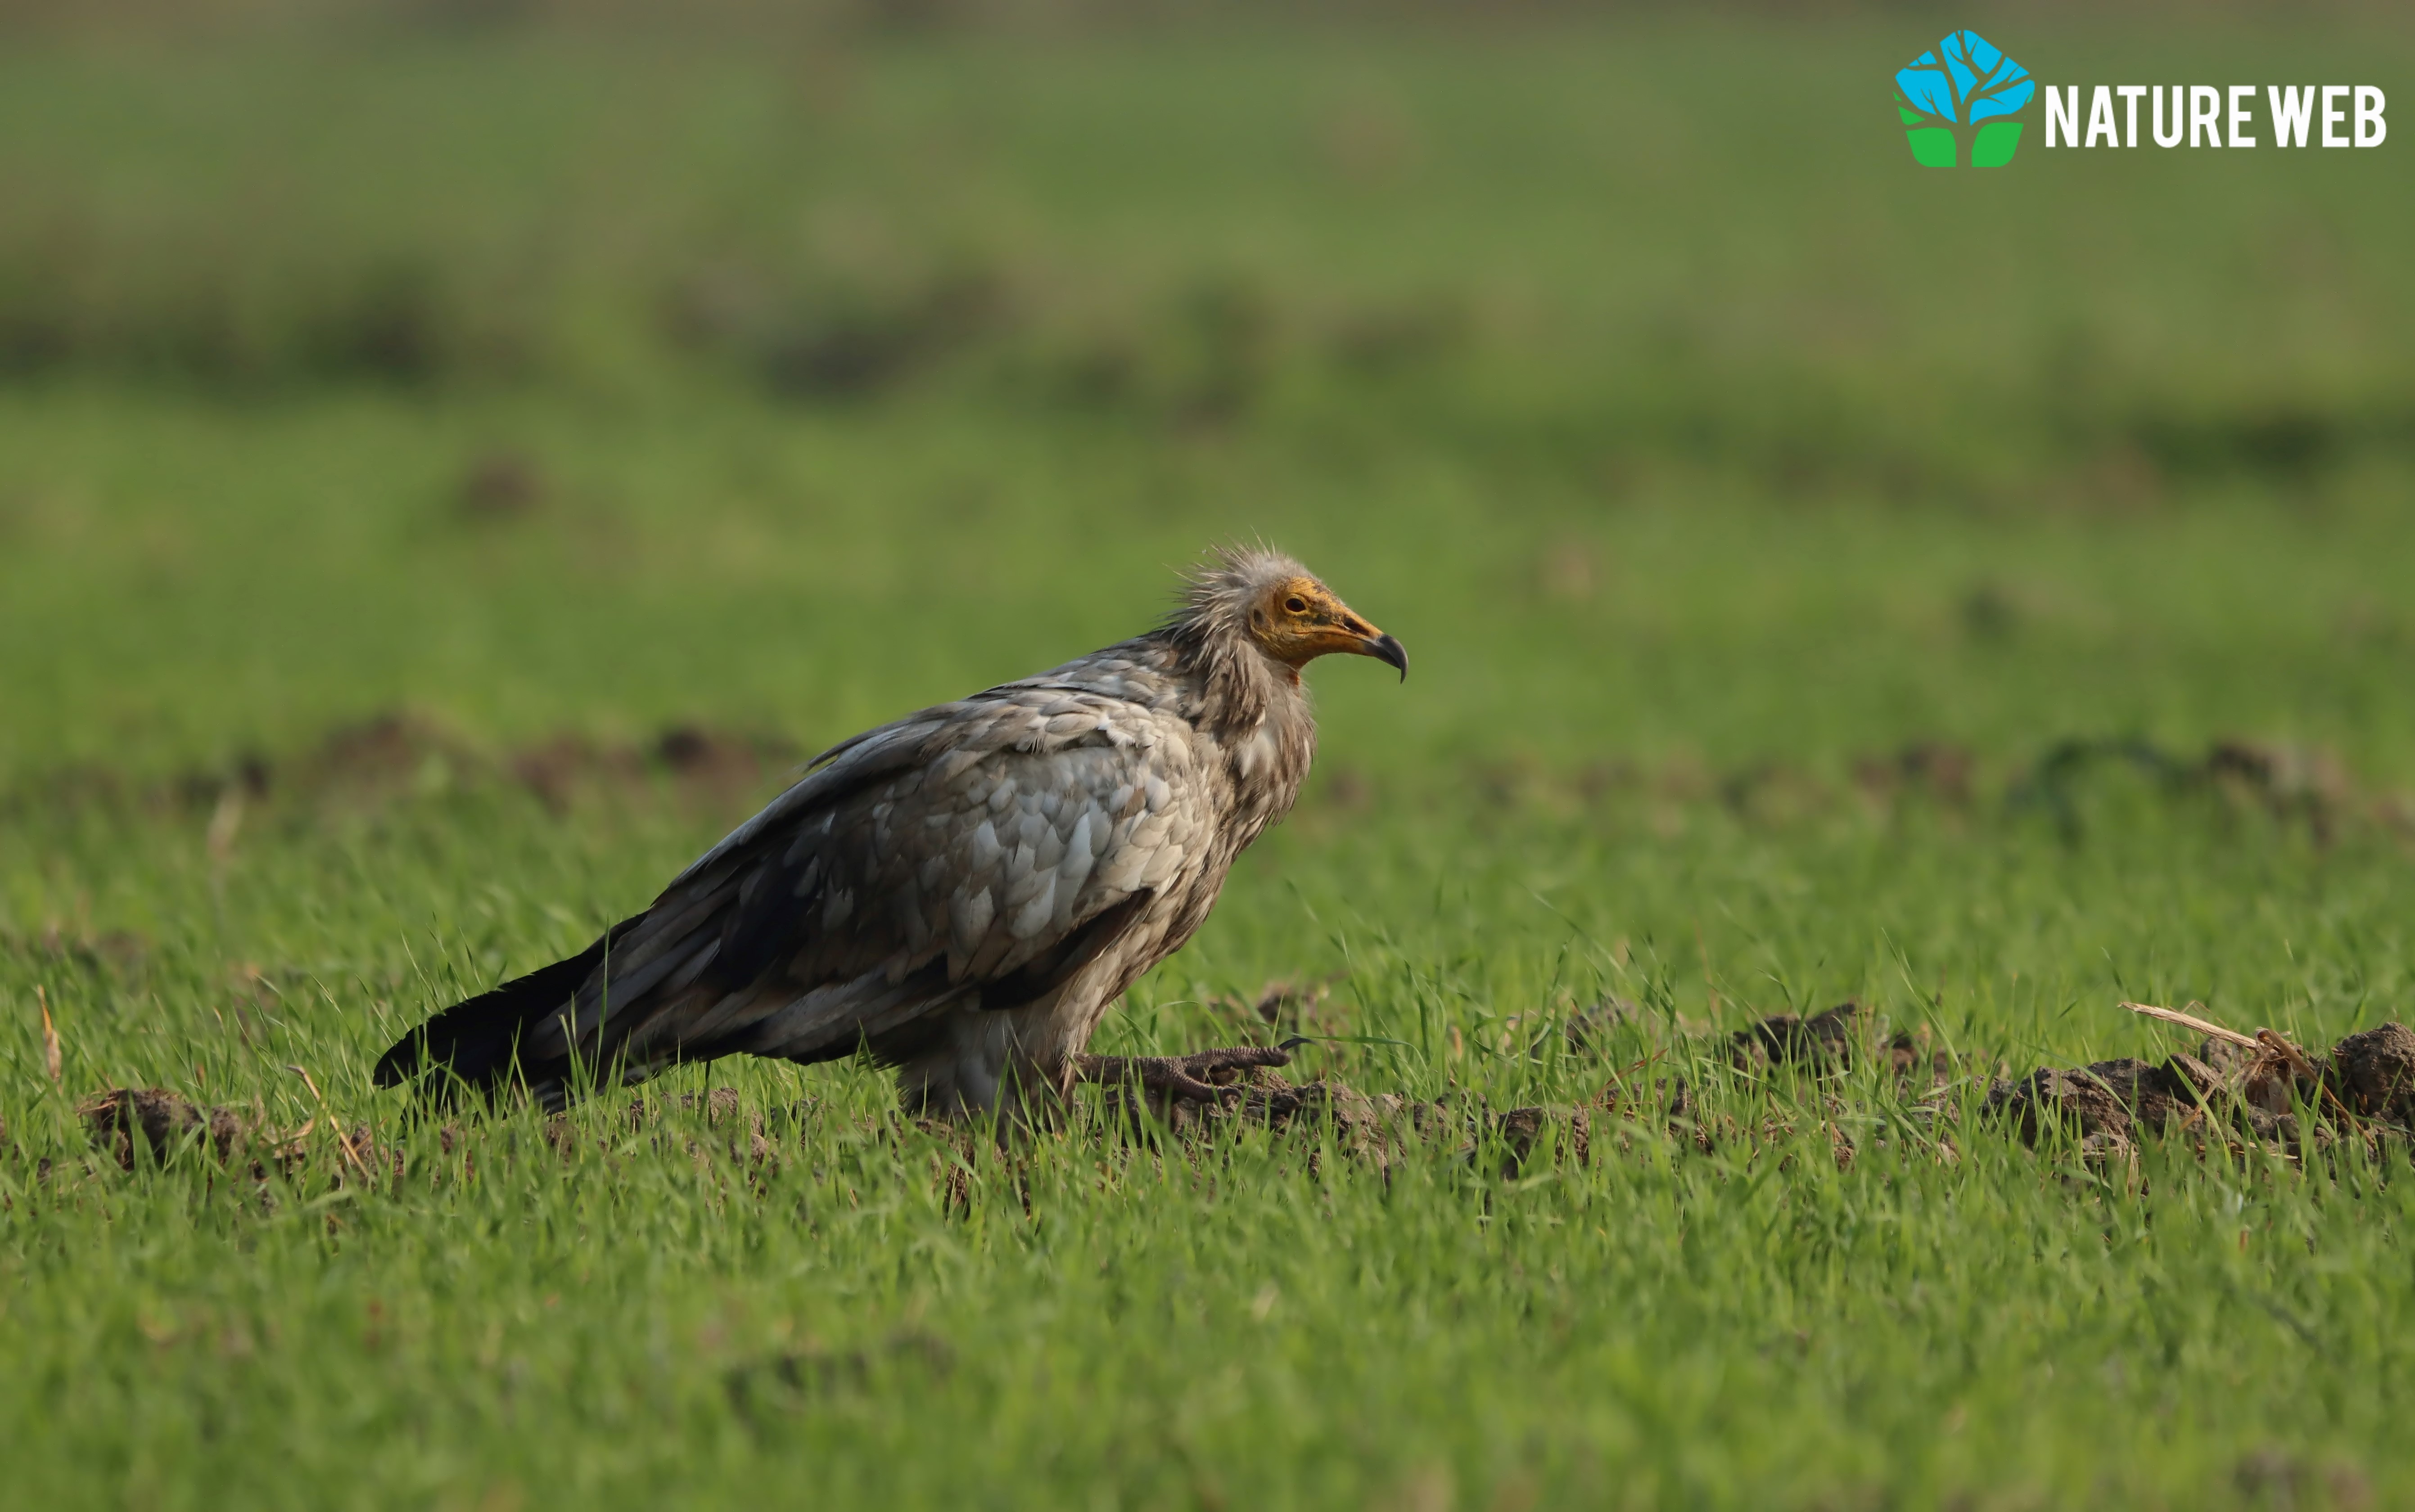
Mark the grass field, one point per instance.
(403, 429)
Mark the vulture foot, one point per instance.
(1202, 1076)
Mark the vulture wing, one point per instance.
(977, 851)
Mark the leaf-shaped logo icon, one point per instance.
(1960, 92)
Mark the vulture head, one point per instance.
(1272, 603)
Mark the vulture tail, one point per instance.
(477, 1040)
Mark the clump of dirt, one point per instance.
(2373, 1073)
(1939, 770)
(1590, 1027)
(1522, 1134)
(374, 761)
(2220, 1097)
(1776, 793)
(1821, 1044)
(2078, 1100)
(502, 486)
(124, 1121)
(129, 1124)
(2365, 1088)
(1376, 1129)
(560, 767)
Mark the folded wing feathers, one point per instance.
(988, 831)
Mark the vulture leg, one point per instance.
(1202, 1076)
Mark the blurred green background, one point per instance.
(455, 455)
(539, 368)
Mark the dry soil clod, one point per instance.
(163, 1122)
(2373, 1073)
(1823, 1043)
(2365, 1088)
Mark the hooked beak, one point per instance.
(1344, 631)
(1389, 650)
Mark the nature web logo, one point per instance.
(1956, 95)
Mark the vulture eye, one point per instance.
(1296, 604)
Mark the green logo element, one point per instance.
(1958, 95)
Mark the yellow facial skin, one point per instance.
(1300, 620)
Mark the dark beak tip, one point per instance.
(1389, 650)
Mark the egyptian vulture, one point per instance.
(960, 894)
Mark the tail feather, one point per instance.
(477, 1039)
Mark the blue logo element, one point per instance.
(1957, 94)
